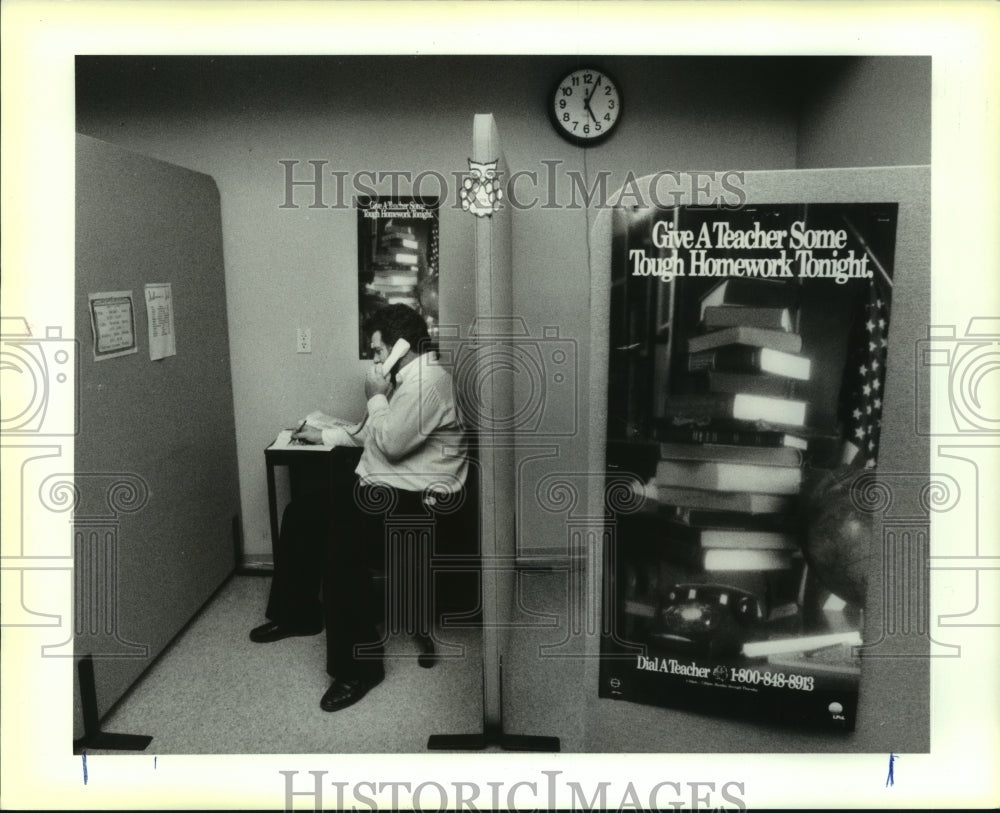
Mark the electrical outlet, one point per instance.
(303, 340)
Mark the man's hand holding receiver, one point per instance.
(376, 383)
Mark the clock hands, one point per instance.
(586, 102)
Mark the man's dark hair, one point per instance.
(400, 322)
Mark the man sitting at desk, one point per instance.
(414, 449)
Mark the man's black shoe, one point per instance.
(270, 632)
(344, 693)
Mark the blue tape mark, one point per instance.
(890, 779)
(84, 767)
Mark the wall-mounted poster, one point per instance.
(397, 259)
(160, 316)
(112, 319)
(738, 586)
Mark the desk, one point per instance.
(310, 472)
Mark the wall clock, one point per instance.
(586, 106)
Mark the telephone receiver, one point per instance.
(399, 349)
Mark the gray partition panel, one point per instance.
(156, 483)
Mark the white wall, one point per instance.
(869, 112)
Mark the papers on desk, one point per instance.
(317, 420)
(284, 441)
(321, 421)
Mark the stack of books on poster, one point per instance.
(731, 452)
(396, 265)
(396, 287)
(398, 247)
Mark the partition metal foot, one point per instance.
(492, 736)
(93, 737)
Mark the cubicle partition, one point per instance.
(156, 491)
(485, 372)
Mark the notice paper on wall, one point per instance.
(160, 317)
(112, 319)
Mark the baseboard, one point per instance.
(256, 564)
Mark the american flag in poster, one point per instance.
(864, 380)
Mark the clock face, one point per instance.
(586, 106)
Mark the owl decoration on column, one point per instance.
(481, 193)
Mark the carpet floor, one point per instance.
(213, 691)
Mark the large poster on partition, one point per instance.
(748, 361)
(398, 250)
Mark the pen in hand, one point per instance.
(296, 432)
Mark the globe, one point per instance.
(838, 535)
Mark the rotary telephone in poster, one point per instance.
(708, 619)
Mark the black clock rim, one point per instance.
(575, 139)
